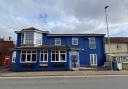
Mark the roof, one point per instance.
(75, 34)
(117, 40)
(31, 29)
(7, 43)
(46, 47)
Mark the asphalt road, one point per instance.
(65, 83)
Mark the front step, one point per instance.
(87, 68)
(75, 69)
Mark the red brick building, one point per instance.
(5, 50)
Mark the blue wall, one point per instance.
(83, 44)
(84, 52)
(18, 40)
(51, 65)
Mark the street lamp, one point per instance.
(107, 30)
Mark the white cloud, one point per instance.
(64, 16)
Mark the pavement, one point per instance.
(6, 73)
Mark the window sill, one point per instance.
(43, 61)
(57, 44)
(92, 48)
(29, 62)
(75, 44)
(58, 61)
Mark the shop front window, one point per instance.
(58, 56)
(43, 56)
(28, 56)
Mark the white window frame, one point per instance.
(92, 43)
(14, 57)
(22, 38)
(26, 61)
(37, 37)
(59, 54)
(42, 52)
(92, 62)
(119, 46)
(74, 39)
(125, 60)
(25, 37)
(122, 59)
(57, 39)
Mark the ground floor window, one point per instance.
(28, 56)
(13, 56)
(43, 56)
(58, 56)
(93, 59)
(122, 59)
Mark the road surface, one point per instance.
(111, 82)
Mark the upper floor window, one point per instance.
(92, 43)
(57, 41)
(22, 38)
(29, 38)
(74, 41)
(119, 46)
(38, 38)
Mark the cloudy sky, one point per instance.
(64, 16)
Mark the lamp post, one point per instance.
(107, 30)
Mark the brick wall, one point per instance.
(5, 50)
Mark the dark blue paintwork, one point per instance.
(84, 52)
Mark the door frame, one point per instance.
(92, 62)
(70, 56)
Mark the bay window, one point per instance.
(58, 56)
(22, 38)
(29, 37)
(38, 38)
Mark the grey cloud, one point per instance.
(94, 9)
(64, 16)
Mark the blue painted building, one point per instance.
(40, 50)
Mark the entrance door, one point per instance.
(93, 59)
(74, 59)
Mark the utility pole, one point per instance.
(107, 30)
(109, 51)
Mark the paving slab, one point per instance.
(61, 73)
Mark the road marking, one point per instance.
(87, 76)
